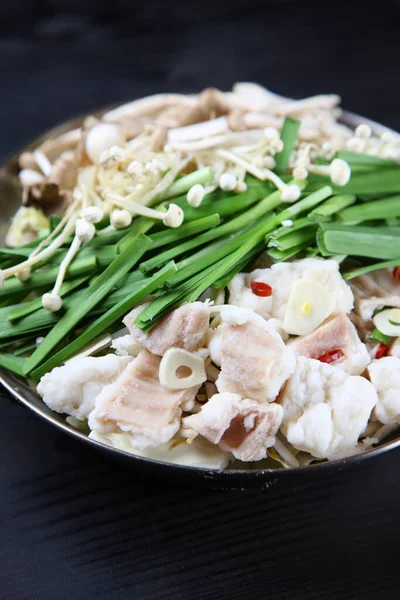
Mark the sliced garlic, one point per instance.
(382, 321)
(309, 305)
(175, 359)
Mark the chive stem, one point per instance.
(144, 289)
(289, 133)
(332, 206)
(13, 363)
(94, 294)
(387, 264)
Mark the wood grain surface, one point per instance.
(74, 523)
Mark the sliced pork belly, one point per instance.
(254, 361)
(185, 327)
(325, 410)
(337, 334)
(137, 403)
(243, 427)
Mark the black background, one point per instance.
(75, 524)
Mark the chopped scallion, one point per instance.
(378, 336)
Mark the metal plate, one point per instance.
(10, 200)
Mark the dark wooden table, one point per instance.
(75, 524)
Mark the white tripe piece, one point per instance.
(282, 277)
(277, 326)
(243, 427)
(385, 377)
(199, 453)
(254, 360)
(325, 409)
(73, 388)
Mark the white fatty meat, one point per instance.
(72, 389)
(325, 409)
(185, 327)
(199, 453)
(254, 361)
(243, 427)
(385, 377)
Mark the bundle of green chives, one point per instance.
(217, 240)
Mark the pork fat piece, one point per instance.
(137, 403)
(338, 333)
(243, 427)
(254, 361)
(72, 389)
(185, 327)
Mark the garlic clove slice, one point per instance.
(308, 306)
(175, 359)
(386, 321)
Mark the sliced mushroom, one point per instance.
(54, 194)
(51, 148)
(150, 105)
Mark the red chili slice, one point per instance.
(331, 356)
(382, 350)
(396, 274)
(259, 288)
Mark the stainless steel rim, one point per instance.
(19, 390)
